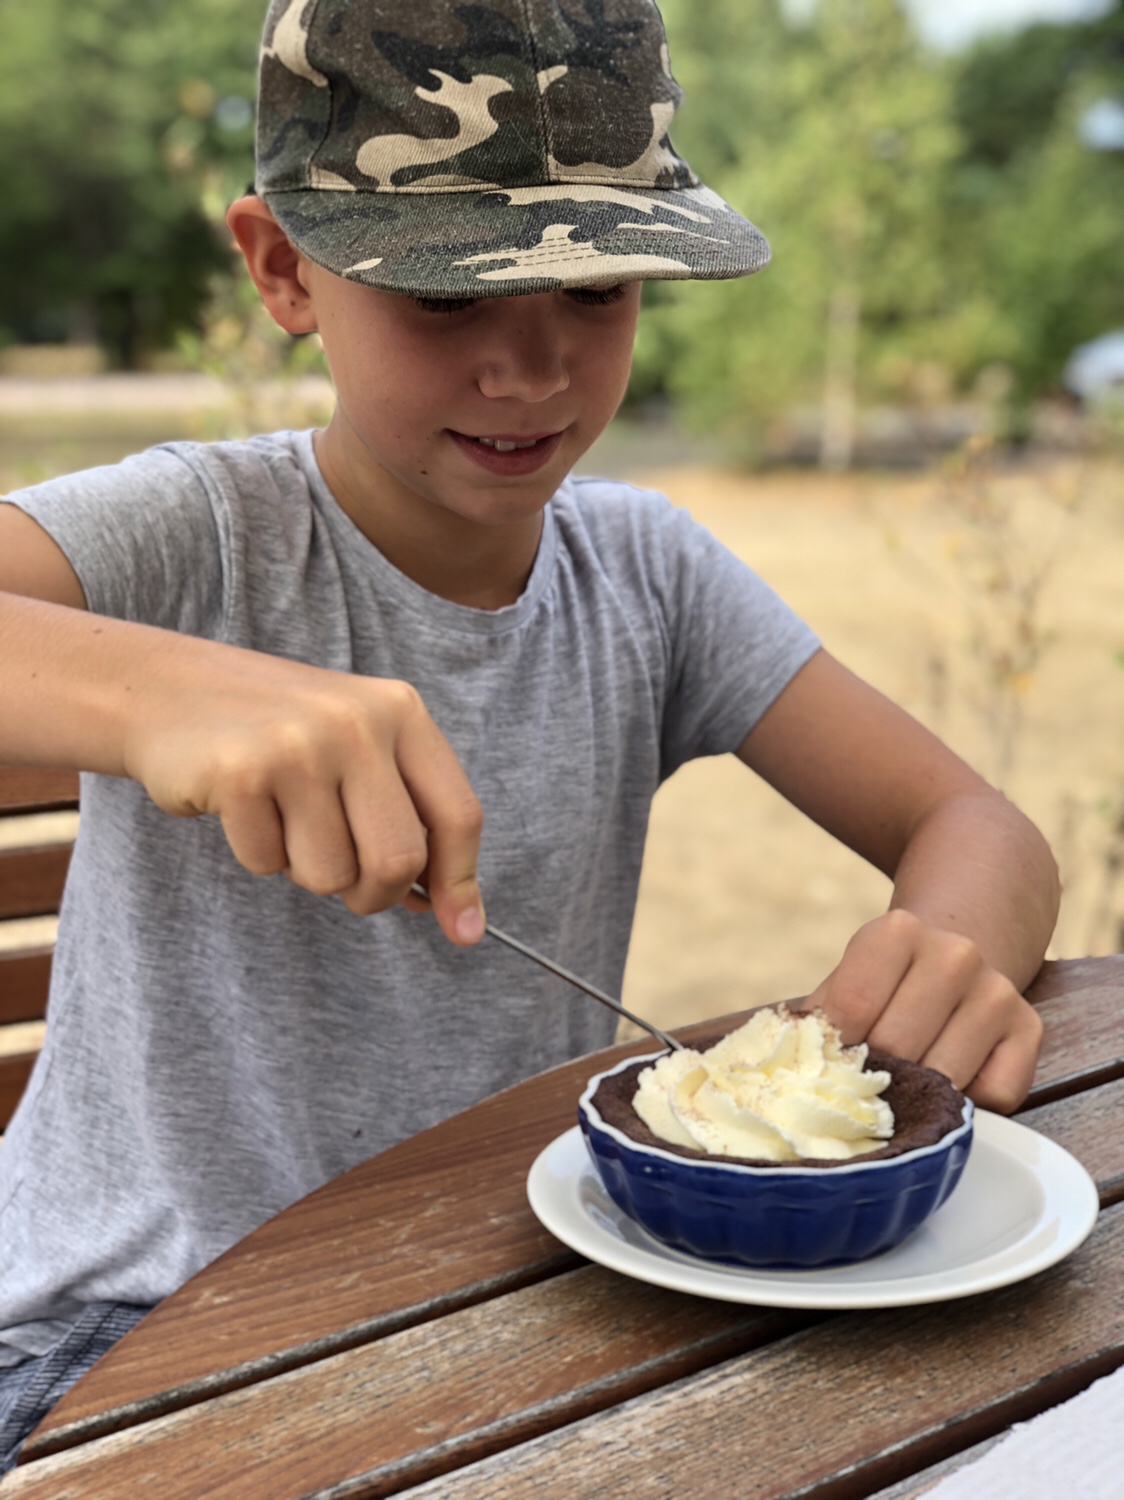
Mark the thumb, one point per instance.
(457, 904)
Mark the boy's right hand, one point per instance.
(342, 783)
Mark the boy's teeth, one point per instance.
(503, 447)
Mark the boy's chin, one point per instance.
(505, 505)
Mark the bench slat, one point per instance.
(26, 789)
(31, 880)
(14, 1073)
(25, 978)
(32, 876)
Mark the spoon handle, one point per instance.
(548, 963)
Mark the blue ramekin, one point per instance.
(782, 1218)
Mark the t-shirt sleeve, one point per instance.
(729, 644)
(143, 538)
(734, 645)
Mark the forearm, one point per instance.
(976, 866)
(341, 781)
(72, 681)
(85, 692)
(939, 978)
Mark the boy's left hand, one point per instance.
(928, 995)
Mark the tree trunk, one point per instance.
(840, 404)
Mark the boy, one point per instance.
(409, 648)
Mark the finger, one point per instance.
(946, 973)
(255, 833)
(990, 1046)
(965, 1044)
(873, 966)
(453, 818)
(318, 841)
(415, 903)
(390, 842)
(1005, 1078)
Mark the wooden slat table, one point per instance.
(411, 1329)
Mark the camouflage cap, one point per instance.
(492, 148)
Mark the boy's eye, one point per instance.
(589, 296)
(443, 304)
(597, 296)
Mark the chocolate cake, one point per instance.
(926, 1107)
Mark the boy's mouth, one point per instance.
(508, 452)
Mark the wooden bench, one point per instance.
(38, 822)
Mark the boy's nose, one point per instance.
(523, 354)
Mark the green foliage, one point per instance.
(119, 119)
(1008, 89)
(1044, 214)
(1052, 254)
(930, 217)
(845, 130)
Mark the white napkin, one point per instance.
(1074, 1451)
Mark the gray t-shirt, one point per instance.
(220, 1044)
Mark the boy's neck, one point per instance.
(484, 567)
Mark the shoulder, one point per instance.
(261, 493)
(177, 476)
(274, 462)
(637, 536)
(608, 505)
(621, 523)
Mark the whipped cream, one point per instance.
(780, 1088)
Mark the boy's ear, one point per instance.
(275, 263)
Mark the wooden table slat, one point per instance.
(448, 1210)
(1082, 1125)
(841, 1410)
(887, 1393)
(1081, 1001)
(915, 1485)
(429, 1399)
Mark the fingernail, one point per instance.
(469, 925)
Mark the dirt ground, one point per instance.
(742, 899)
(991, 607)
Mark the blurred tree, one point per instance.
(1040, 200)
(123, 125)
(845, 137)
(930, 216)
(1009, 87)
(933, 219)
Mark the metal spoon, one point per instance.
(581, 984)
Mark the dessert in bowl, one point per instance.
(776, 1147)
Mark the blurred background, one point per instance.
(912, 424)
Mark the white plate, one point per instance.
(1022, 1204)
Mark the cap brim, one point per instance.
(494, 242)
